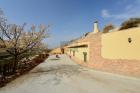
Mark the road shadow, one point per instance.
(54, 59)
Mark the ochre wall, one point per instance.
(56, 51)
(115, 45)
(79, 52)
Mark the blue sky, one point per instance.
(69, 19)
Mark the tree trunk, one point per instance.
(15, 64)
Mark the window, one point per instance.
(129, 40)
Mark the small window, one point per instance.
(129, 40)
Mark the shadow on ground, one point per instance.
(54, 59)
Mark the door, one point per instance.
(73, 53)
(85, 56)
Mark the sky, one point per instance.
(69, 19)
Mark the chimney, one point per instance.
(95, 28)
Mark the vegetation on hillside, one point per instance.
(132, 22)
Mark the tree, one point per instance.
(18, 41)
(107, 28)
(132, 22)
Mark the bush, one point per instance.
(132, 22)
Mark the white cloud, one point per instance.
(129, 11)
(105, 13)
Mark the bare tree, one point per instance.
(17, 41)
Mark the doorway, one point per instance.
(73, 53)
(85, 56)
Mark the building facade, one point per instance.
(56, 51)
(115, 52)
